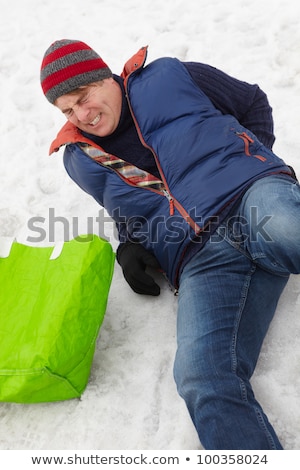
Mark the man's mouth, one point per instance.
(95, 121)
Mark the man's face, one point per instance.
(95, 109)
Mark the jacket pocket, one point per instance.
(247, 142)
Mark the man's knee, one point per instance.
(194, 371)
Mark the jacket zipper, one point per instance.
(173, 203)
(160, 191)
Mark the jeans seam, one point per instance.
(234, 361)
(235, 333)
(255, 258)
(262, 424)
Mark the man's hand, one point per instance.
(134, 259)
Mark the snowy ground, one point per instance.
(131, 401)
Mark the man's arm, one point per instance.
(246, 102)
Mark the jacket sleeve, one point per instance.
(87, 175)
(246, 102)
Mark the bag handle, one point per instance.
(57, 249)
(6, 244)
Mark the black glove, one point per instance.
(134, 258)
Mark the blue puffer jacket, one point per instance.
(206, 160)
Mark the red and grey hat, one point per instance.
(69, 64)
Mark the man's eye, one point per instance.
(68, 113)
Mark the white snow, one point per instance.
(131, 401)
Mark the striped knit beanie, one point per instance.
(69, 64)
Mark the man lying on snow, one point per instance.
(179, 154)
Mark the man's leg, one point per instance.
(226, 303)
(267, 225)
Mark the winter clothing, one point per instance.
(191, 182)
(209, 165)
(68, 65)
(247, 103)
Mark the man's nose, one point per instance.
(82, 113)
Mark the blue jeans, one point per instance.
(227, 298)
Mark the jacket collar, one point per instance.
(136, 62)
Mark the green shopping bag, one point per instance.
(51, 311)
